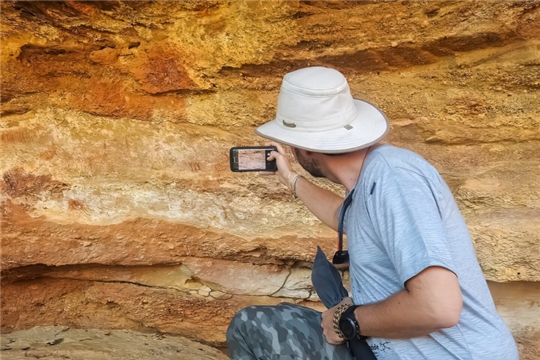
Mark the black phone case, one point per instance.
(233, 159)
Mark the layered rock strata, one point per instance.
(118, 207)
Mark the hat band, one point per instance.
(325, 124)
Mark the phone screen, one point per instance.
(251, 159)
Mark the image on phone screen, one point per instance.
(251, 159)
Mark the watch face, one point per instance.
(347, 327)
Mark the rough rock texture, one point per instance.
(119, 210)
(62, 342)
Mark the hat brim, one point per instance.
(369, 127)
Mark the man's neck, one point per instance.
(346, 168)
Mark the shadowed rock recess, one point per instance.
(120, 216)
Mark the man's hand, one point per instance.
(328, 323)
(282, 162)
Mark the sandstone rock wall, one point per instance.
(118, 207)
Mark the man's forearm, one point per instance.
(428, 305)
(396, 317)
(324, 204)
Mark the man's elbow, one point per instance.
(444, 311)
(449, 313)
(438, 290)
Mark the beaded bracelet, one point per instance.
(292, 182)
(293, 187)
(337, 315)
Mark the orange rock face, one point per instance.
(118, 207)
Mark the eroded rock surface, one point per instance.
(118, 207)
(62, 342)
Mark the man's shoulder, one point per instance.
(392, 157)
(388, 161)
(392, 152)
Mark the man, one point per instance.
(417, 288)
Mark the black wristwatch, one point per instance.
(349, 326)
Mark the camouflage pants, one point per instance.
(286, 331)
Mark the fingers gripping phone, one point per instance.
(252, 158)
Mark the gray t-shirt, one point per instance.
(402, 220)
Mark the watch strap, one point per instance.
(349, 313)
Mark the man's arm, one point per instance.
(431, 301)
(324, 204)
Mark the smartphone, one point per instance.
(252, 158)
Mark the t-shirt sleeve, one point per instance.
(404, 211)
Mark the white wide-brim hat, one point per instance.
(317, 112)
